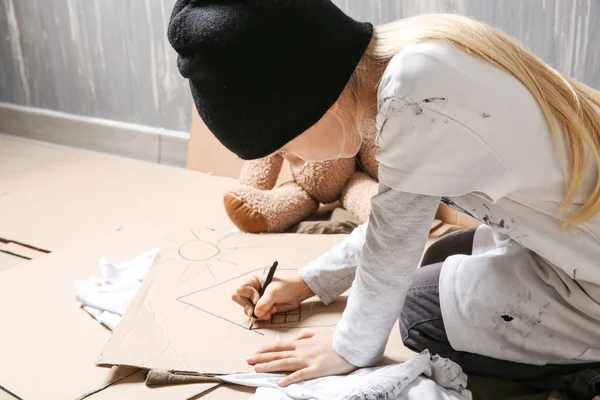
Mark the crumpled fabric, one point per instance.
(107, 297)
(421, 378)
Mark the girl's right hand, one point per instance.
(282, 294)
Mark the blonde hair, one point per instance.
(567, 105)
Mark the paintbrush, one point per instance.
(263, 289)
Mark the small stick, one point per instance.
(264, 288)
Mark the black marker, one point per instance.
(264, 288)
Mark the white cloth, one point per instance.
(454, 126)
(421, 378)
(106, 298)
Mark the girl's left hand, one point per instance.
(309, 356)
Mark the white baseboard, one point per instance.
(118, 138)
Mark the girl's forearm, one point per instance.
(396, 236)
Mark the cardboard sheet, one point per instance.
(133, 387)
(17, 153)
(49, 345)
(81, 194)
(20, 250)
(4, 395)
(183, 317)
(50, 341)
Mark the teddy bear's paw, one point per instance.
(244, 216)
(255, 211)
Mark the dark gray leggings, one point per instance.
(422, 327)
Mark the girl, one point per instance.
(462, 114)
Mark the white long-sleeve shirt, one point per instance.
(456, 127)
(392, 244)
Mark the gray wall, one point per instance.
(110, 58)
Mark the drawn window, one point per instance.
(289, 317)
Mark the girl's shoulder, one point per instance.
(424, 66)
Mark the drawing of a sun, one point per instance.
(205, 251)
(224, 255)
(214, 264)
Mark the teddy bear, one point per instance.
(257, 206)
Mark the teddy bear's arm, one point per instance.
(262, 173)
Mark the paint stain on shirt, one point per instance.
(489, 221)
(434, 99)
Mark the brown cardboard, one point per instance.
(451, 217)
(51, 341)
(48, 343)
(70, 198)
(6, 395)
(82, 194)
(21, 250)
(51, 345)
(133, 387)
(17, 153)
(207, 154)
(183, 317)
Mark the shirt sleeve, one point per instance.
(332, 274)
(396, 236)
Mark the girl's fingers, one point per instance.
(248, 292)
(284, 365)
(277, 308)
(279, 346)
(266, 302)
(269, 357)
(255, 283)
(301, 375)
(265, 317)
(305, 335)
(249, 311)
(244, 302)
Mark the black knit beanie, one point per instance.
(264, 71)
